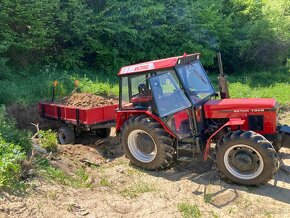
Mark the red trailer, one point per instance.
(99, 119)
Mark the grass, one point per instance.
(189, 210)
(138, 188)
(207, 198)
(104, 181)
(25, 89)
(29, 89)
(78, 180)
(264, 84)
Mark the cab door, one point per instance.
(173, 107)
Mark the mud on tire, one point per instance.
(146, 143)
(246, 158)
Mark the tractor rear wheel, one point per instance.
(65, 135)
(246, 158)
(146, 143)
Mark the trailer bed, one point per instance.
(78, 116)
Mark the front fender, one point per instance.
(231, 122)
(123, 115)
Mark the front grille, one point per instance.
(256, 122)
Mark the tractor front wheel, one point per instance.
(246, 158)
(146, 143)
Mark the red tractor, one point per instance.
(170, 108)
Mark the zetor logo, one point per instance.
(139, 68)
(251, 110)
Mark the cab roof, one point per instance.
(157, 64)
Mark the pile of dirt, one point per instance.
(86, 100)
(27, 114)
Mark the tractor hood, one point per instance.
(227, 108)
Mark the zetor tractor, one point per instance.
(168, 108)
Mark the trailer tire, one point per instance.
(146, 143)
(65, 135)
(246, 158)
(103, 133)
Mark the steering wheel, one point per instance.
(194, 93)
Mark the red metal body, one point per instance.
(243, 108)
(73, 115)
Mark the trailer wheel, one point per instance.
(103, 133)
(65, 135)
(146, 143)
(246, 158)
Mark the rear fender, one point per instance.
(124, 115)
(232, 122)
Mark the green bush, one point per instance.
(10, 157)
(11, 134)
(48, 140)
(14, 144)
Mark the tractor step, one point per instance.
(185, 159)
(185, 152)
(186, 147)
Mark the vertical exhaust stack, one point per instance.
(223, 83)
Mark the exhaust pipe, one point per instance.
(223, 83)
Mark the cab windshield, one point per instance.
(195, 80)
(168, 95)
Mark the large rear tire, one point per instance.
(246, 158)
(146, 143)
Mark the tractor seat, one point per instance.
(143, 99)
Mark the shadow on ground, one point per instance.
(204, 174)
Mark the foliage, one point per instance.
(10, 168)
(13, 144)
(188, 210)
(48, 140)
(11, 134)
(109, 34)
(261, 33)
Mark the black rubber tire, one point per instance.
(254, 140)
(103, 133)
(65, 135)
(162, 139)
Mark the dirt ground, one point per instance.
(121, 190)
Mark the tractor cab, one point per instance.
(168, 92)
